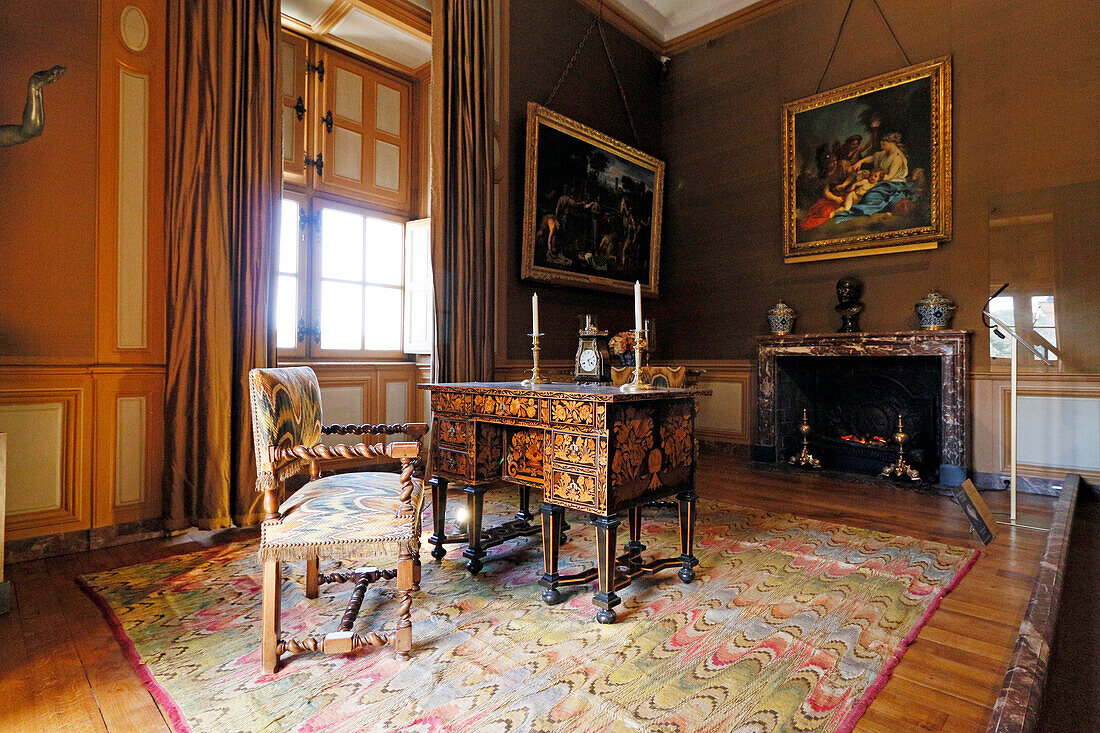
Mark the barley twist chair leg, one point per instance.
(313, 580)
(405, 575)
(416, 572)
(272, 597)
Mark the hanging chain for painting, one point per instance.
(597, 23)
(840, 32)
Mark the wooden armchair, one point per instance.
(340, 517)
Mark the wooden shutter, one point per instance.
(367, 150)
(292, 79)
(419, 297)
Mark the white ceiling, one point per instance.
(669, 19)
(363, 30)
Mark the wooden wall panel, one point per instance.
(130, 256)
(129, 444)
(48, 417)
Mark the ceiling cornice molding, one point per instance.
(627, 23)
(722, 26)
(637, 29)
(400, 13)
(332, 15)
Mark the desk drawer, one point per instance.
(574, 488)
(578, 450)
(453, 432)
(452, 464)
(499, 405)
(581, 413)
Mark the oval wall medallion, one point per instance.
(134, 28)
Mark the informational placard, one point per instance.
(977, 511)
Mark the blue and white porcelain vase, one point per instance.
(781, 319)
(934, 312)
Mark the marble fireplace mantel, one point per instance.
(951, 346)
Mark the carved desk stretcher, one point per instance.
(589, 448)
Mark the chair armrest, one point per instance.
(341, 451)
(414, 430)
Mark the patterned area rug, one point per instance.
(792, 624)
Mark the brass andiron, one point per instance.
(638, 384)
(900, 468)
(536, 376)
(804, 459)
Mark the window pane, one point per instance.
(286, 312)
(1002, 308)
(385, 248)
(341, 315)
(383, 311)
(1042, 310)
(288, 237)
(341, 245)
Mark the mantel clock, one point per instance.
(593, 361)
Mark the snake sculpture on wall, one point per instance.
(34, 113)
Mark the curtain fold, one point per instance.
(462, 188)
(223, 189)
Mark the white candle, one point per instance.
(535, 313)
(637, 306)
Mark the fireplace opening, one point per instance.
(853, 404)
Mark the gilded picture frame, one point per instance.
(592, 207)
(867, 166)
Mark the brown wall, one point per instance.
(1026, 115)
(48, 185)
(543, 35)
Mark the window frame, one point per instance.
(315, 351)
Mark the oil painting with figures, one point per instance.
(592, 213)
(868, 166)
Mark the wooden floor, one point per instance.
(62, 670)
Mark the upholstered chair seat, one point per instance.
(373, 516)
(345, 515)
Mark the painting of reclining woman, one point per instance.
(592, 212)
(868, 166)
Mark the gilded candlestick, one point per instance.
(536, 376)
(638, 384)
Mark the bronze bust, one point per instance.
(848, 293)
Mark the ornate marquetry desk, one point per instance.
(589, 448)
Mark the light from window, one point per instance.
(1003, 308)
(361, 280)
(1043, 324)
(286, 298)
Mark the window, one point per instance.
(354, 278)
(1043, 324)
(1003, 308)
(342, 280)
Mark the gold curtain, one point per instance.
(223, 189)
(462, 188)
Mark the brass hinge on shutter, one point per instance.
(300, 109)
(319, 68)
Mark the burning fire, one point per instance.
(864, 440)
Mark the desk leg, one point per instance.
(439, 517)
(551, 542)
(524, 514)
(687, 535)
(635, 545)
(605, 599)
(474, 552)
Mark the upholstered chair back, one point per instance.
(286, 411)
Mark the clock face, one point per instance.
(589, 360)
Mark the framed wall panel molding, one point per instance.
(1058, 429)
(129, 444)
(48, 419)
(130, 255)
